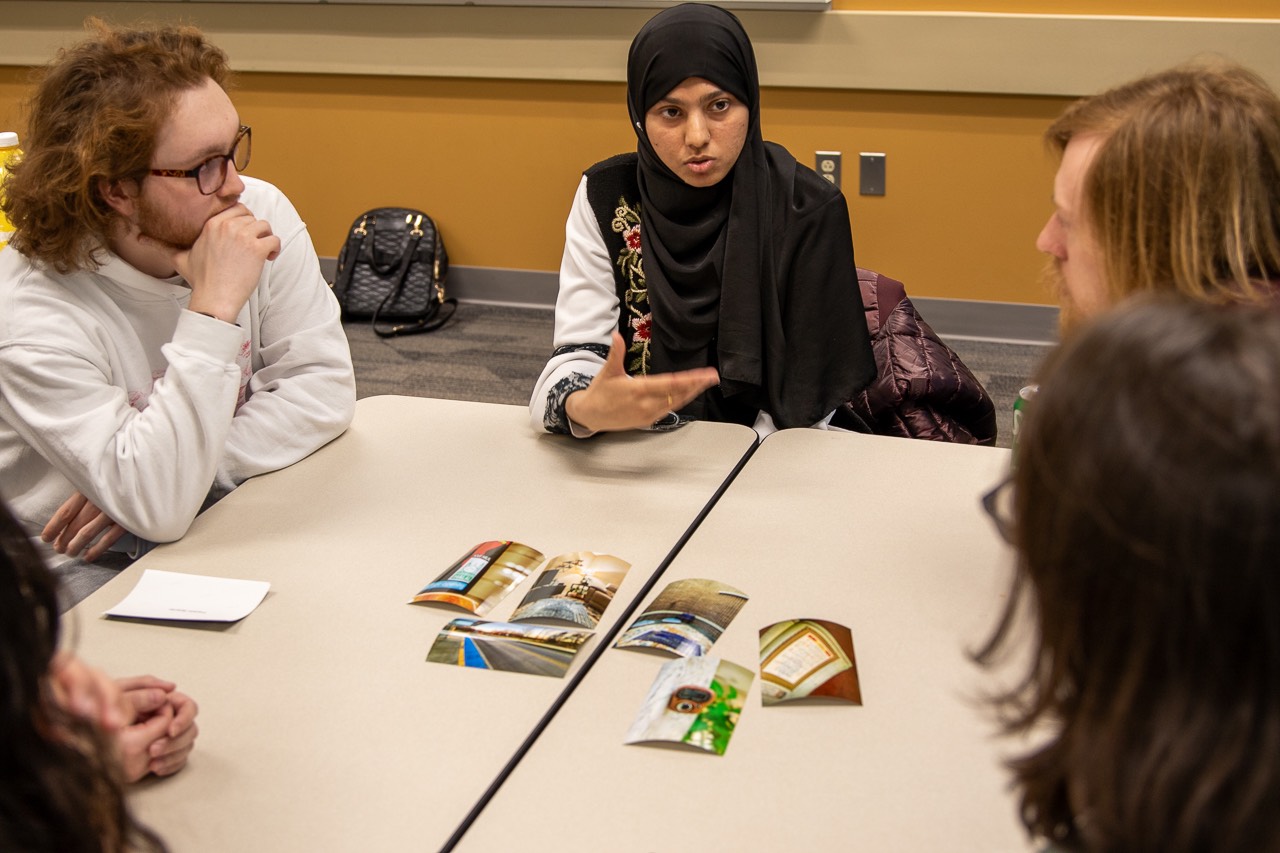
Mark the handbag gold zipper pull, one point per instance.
(417, 226)
(360, 228)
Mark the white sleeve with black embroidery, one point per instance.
(586, 315)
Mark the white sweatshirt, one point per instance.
(110, 387)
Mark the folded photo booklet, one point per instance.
(572, 590)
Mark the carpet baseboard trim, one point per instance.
(1009, 322)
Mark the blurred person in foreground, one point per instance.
(1168, 183)
(1144, 508)
(70, 738)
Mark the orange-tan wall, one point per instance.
(1171, 8)
(496, 161)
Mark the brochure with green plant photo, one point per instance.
(694, 701)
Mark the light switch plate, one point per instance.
(871, 173)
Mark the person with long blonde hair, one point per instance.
(1168, 183)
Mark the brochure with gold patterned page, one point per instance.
(802, 658)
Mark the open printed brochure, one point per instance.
(686, 618)
(533, 649)
(482, 577)
(800, 658)
(574, 588)
(694, 701)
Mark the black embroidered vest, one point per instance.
(614, 196)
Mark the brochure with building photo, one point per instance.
(574, 588)
(694, 701)
(532, 649)
(686, 618)
(482, 577)
(802, 658)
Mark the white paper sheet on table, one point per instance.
(197, 598)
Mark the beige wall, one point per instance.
(496, 160)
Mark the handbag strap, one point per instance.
(406, 258)
(427, 324)
(431, 321)
(349, 255)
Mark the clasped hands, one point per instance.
(152, 724)
(616, 401)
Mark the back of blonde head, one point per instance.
(1184, 191)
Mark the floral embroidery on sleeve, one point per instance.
(626, 221)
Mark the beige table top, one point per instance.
(322, 725)
(883, 535)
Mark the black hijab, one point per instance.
(711, 254)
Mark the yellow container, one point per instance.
(9, 152)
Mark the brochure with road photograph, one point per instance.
(532, 649)
(802, 658)
(574, 588)
(483, 576)
(686, 618)
(694, 701)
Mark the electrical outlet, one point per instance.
(827, 164)
(871, 179)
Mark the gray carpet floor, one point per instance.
(494, 353)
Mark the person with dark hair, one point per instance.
(165, 330)
(70, 737)
(707, 275)
(1144, 507)
(1167, 184)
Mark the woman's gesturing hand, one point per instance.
(615, 401)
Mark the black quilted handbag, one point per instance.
(392, 271)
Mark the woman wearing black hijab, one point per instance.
(708, 275)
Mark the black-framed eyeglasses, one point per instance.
(999, 505)
(212, 173)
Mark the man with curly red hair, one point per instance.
(165, 330)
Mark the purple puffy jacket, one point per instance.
(922, 389)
